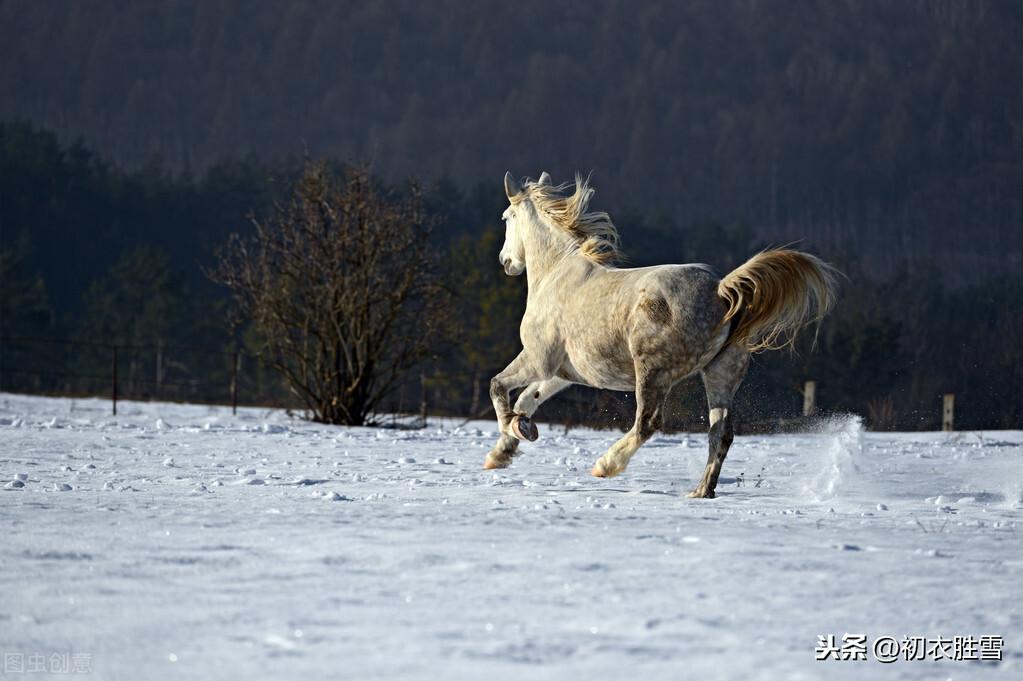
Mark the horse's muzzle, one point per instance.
(511, 268)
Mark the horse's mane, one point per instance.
(594, 233)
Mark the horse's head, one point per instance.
(513, 252)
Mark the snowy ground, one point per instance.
(181, 542)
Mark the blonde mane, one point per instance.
(594, 233)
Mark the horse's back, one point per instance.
(688, 292)
(677, 315)
(608, 319)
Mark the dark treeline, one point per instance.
(93, 252)
(892, 130)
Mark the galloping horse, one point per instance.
(644, 329)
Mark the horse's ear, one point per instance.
(511, 187)
(545, 178)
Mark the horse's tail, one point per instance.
(774, 294)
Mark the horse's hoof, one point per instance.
(492, 462)
(524, 428)
(701, 494)
(599, 471)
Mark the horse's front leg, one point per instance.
(527, 403)
(651, 390)
(522, 371)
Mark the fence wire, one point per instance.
(183, 373)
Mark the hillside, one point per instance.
(889, 130)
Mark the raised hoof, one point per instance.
(524, 428)
(701, 494)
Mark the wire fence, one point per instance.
(182, 373)
(118, 371)
(197, 374)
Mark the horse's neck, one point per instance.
(558, 274)
(545, 255)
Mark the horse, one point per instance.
(639, 330)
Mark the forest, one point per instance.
(885, 137)
(105, 256)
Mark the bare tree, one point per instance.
(342, 289)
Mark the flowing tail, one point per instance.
(774, 294)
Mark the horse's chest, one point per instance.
(586, 335)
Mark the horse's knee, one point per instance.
(496, 388)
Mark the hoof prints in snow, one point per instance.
(288, 549)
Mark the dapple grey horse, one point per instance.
(644, 329)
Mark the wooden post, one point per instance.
(113, 372)
(809, 397)
(948, 411)
(423, 399)
(234, 383)
(159, 367)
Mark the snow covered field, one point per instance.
(179, 541)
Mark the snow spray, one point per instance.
(839, 458)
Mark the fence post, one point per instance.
(948, 411)
(422, 398)
(113, 373)
(809, 397)
(159, 367)
(234, 383)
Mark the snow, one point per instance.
(189, 543)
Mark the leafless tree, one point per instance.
(342, 289)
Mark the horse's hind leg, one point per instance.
(651, 390)
(721, 378)
(527, 403)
